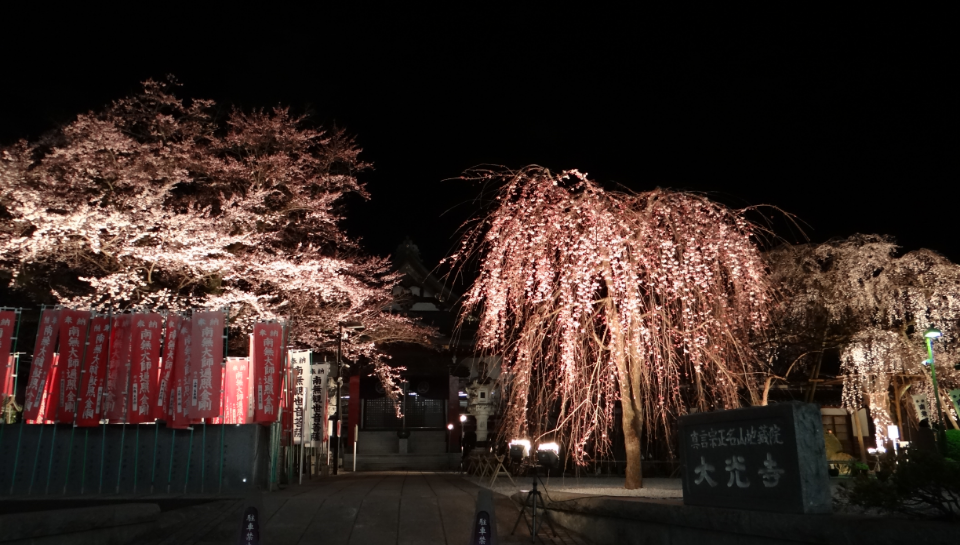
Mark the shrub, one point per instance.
(922, 484)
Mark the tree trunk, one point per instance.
(631, 439)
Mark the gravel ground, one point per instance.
(657, 488)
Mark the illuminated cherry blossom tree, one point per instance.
(153, 202)
(593, 297)
(857, 296)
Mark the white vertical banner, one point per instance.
(300, 365)
(319, 373)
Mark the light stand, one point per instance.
(534, 500)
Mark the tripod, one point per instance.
(534, 501)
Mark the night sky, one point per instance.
(847, 125)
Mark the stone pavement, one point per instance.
(401, 508)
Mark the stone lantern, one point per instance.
(480, 404)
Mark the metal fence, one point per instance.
(419, 414)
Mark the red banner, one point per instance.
(162, 408)
(267, 354)
(94, 372)
(236, 395)
(178, 386)
(116, 400)
(8, 328)
(206, 362)
(144, 356)
(48, 397)
(73, 335)
(42, 363)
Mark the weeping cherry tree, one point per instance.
(592, 297)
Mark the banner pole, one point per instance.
(156, 444)
(173, 443)
(83, 465)
(156, 422)
(36, 461)
(126, 413)
(16, 368)
(103, 390)
(203, 456)
(136, 460)
(36, 458)
(16, 378)
(186, 481)
(76, 404)
(16, 456)
(53, 448)
(223, 401)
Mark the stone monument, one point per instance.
(761, 458)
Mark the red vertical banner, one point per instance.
(8, 328)
(235, 393)
(179, 416)
(73, 335)
(162, 408)
(94, 373)
(42, 363)
(116, 400)
(266, 352)
(286, 405)
(144, 353)
(49, 395)
(206, 361)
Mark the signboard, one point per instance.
(8, 327)
(236, 396)
(250, 527)
(319, 372)
(266, 351)
(302, 421)
(144, 355)
(42, 363)
(955, 397)
(95, 369)
(73, 335)
(761, 458)
(920, 405)
(206, 362)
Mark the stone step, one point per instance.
(395, 462)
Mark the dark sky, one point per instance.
(847, 124)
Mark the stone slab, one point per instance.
(762, 458)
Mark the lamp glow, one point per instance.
(932, 333)
(893, 432)
(449, 426)
(549, 446)
(525, 443)
(463, 418)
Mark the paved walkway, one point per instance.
(401, 508)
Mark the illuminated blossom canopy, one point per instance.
(856, 295)
(154, 203)
(592, 296)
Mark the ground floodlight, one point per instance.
(519, 449)
(548, 455)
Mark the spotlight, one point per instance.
(519, 449)
(548, 455)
